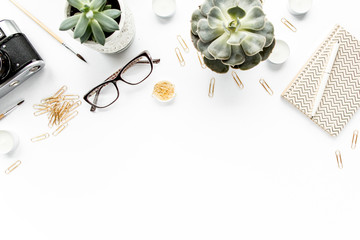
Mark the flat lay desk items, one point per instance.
(225, 36)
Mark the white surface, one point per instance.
(243, 165)
(280, 53)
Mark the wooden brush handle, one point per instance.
(38, 22)
(2, 116)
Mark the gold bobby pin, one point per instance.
(289, 25)
(201, 59)
(237, 80)
(13, 167)
(40, 138)
(339, 159)
(183, 43)
(60, 129)
(355, 139)
(180, 57)
(212, 88)
(266, 87)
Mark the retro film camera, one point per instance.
(18, 58)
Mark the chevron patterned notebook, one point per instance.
(341, 98)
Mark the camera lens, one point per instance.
(4, 65)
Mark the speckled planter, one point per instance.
(120, 40)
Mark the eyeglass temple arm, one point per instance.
(155, 61)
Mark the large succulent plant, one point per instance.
(94, 18)
(232, 33)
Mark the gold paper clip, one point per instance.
(41, 112)
(70, 97)
(70, 117)
(61, 91)
(40, 106)
(180, 57)
(266, 87)
(201, 60)
(40, 138)
(75, 106)
(339, 159)
(237, 80)
(183, 43)
(60, 129)
(288, 24)
(355, 139)
(211, 88)
(13, 167)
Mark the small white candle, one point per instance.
(8, 142)
(164, 8)
(299, 7)
(281, 52)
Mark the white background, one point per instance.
(243, 165)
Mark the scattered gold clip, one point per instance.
(13, 167)
(339, 159)
(183, 43)
(212, 88)
(266, 87)
(289, 25)
(237, 80)
(70, 117)
(355, 139)
(71, 97)
(39, 107)
(201, 60)
(41, 112)
(61, 91)
(40, 138)
(180, 57)
(60, 129)
(75, 106)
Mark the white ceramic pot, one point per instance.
(120, 40)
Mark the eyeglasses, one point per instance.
(134, 73)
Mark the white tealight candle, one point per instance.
(8, 142)
(299, 7)
(281, 52)
(164, 8)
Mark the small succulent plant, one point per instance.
(94, 18)
(232, 33)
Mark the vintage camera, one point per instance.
(18, 58)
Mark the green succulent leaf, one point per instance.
(249, 4)
(249, 62)
(237, 38)
(113, 13)
(219, 49)
(265, 54)
(224, 5)
(204, 49)
(253, 44)
(107, 7)
(216, 65)
(205, 8)
(86, 35)
(76, 4)
(206, 33)
(97, 4)
(195, 18)
(236, 12)
(107, 23)
(237, 56)
(69, 23)
(267, 32)
(98, 33)
(195, 39)
(216, 18)
(81, 26)
(254, 19)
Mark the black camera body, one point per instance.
(18, 58)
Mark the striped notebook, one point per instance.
(341, 98)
